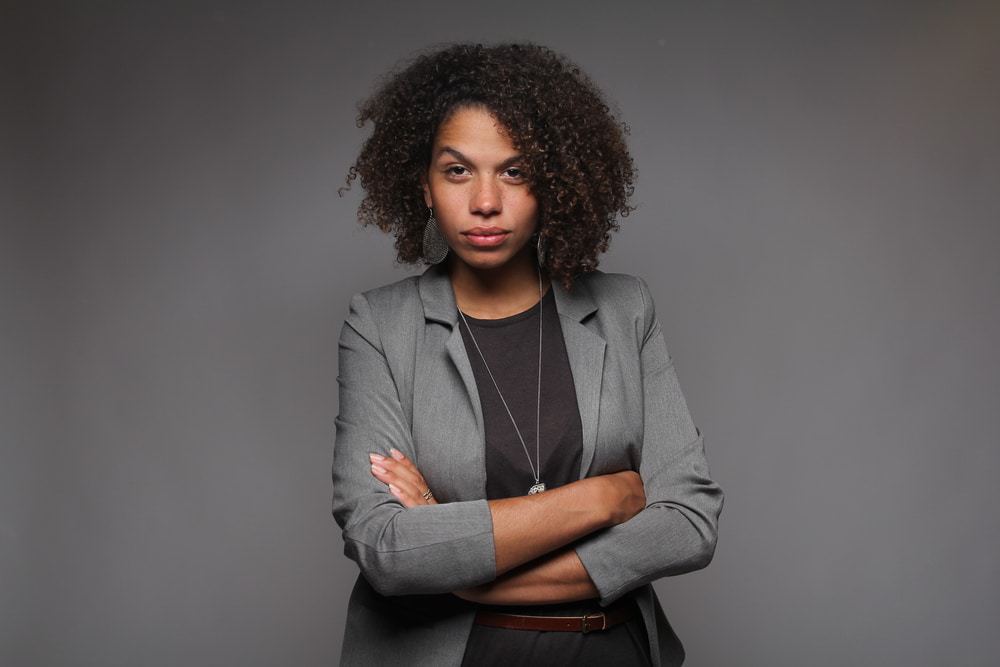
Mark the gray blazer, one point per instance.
(405, 380)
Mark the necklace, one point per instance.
(539, 485)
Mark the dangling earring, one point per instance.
(435, 247)
(540, 248)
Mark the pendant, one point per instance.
(536, 488)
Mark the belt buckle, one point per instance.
(586, 622)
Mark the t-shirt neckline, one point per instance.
(511, 319)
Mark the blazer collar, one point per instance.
(439, 298)
(584, 347)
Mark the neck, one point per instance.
(496, 292)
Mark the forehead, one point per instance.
(473, 129)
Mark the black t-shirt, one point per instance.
(510, 345)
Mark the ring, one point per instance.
(427, 495)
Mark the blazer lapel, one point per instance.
(440, 306)
(585, 349)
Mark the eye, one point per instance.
(515, 173)
(456, 170)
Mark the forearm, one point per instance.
(527, 527)
(553, 578)
(517, 530)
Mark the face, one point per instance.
(480, 195)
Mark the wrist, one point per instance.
(600, 492)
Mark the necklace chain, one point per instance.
(535, 469)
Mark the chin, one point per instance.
(486, 260)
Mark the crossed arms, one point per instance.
(529, 531)
(601, 536)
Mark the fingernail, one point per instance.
(396, 454)
(376, 457)
(393, 489)
(377, 468)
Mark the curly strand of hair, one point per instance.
(574, 146)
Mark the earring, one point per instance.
(435, 247)
(540, 248)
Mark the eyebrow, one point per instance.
(461, 158)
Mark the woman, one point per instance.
(514, 460)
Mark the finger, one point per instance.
(410, 498)
(410, 492)
(387, 476)
(380, 473)
(410, 482)
(407, 495)
(399, 471)
(403, 468)
(402, 458)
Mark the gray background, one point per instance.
(818, 221)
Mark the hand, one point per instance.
(628, 495)
(404, 480)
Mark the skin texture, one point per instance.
(475, 179)
(573, 146)
(530, 532)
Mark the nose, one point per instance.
(486, 198)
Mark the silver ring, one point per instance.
(427, 495)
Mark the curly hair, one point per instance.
(574, 149)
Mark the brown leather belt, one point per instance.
(613, 615)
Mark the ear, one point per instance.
(427, 190)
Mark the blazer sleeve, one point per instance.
(677, 530)
(425, 549)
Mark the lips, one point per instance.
(486, 237)
(486, 231)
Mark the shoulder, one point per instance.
(607, 284)
(393, 295)
(622, 296)
(617, 291)
(374, 309)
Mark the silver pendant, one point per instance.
(536, 488)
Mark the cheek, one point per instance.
(528, 207)
(450, 202)
(449, 211)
